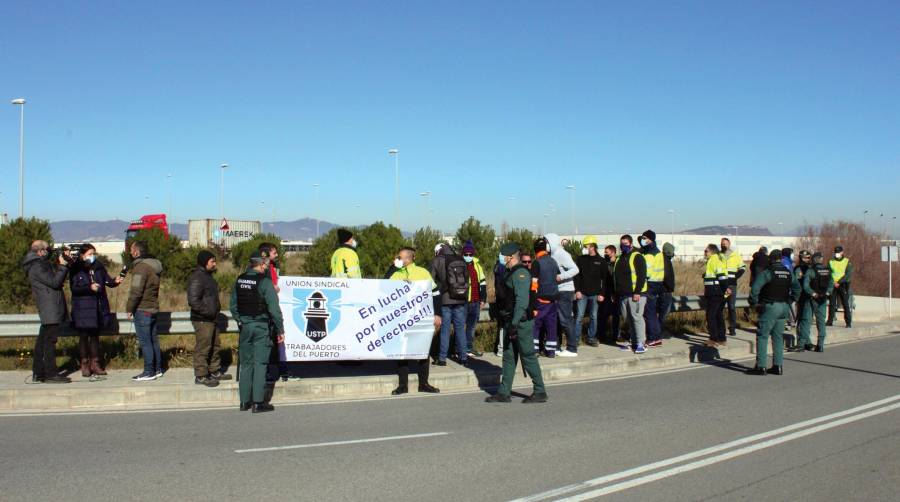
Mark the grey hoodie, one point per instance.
(567, 267)
(47, 287)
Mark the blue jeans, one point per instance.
(566, 303)
(148, 337)
(663, 307)
(454, 315)
(588, 302)
(473, 311)
(651, 314)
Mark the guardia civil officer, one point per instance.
(817, 285)
(519, 306)
(804, 314)
(774, 289)
(254, 304)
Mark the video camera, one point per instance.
(69, 253)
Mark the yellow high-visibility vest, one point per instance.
(838, 269)
(656, 267)
(345, 264)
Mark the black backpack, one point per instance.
(456, 275)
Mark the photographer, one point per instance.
(47, 277)
(88, 281)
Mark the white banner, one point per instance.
(354, 319)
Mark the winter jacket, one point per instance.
(544, 270)
(203, 296)
(592, 271)
(438, 271)
(567, 267)
(144, 292)
(622, 275)
(47, 287)
(90, 309)
(758, 264)
(669, 280)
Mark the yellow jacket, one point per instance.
(345, 263)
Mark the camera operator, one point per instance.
(47, 273)
(88, 281)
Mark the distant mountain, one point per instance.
(83, 231)
(726, 230)
(114, 230)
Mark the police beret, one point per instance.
(509, 249)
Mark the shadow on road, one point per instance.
(842, 367)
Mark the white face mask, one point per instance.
(90, 259)
(584, 251)
(398, 263)
(353, 243)
(838, 255)
(501, 259)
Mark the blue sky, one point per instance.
(728, 112)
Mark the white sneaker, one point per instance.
(566, 353)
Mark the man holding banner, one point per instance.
(409, 271)
(519, 308)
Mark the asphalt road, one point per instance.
(670, 436)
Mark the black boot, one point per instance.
(809, 346)
(775, 370)
(400, 390)
(820, 348)
(425, 387)
(497, 398)
(756, 371)
(262, 407)
(537, 397)
(245, 406)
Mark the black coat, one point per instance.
(47, 287)
(90, 309)
(203, 296)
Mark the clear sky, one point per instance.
(728, 112)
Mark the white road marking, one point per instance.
(725, 456)
(342, 443)
(814, 423)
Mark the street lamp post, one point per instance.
(20, 102)
(672, 214)
(396, 153)
(865, 213)
(222, 169)
(427, 196)
(316, 188)
(571, 189)
(169, 197)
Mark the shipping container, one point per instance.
(209, 232)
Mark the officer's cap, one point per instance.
(509, 249)
(817, 256)
(256, 257)
(775, 256)
(804, 253)
(839, 249)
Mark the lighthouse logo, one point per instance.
(316, 312)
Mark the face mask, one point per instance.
(645, 243)
(90, 259)
(792, 256)
(398, 263)
(353, 243)
(584, 251)
(625, 248)
(468, 259)
(838, 255)
(500, 259)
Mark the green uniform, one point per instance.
(817, 287)
(518, 287)
(774, 289)
(254, 304)
(804, 312)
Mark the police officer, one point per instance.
(841, 272)
(254, 304)
(344, 260)
(773, 290)
(817, 286)
(519, 307)
(804, 315)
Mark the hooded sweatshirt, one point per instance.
(567, 267)
(144, 292)
(668, 254)
(47, 287)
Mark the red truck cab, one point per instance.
(147, 221)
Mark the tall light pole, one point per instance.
(396, 153)
(672, 214)
(427, 196)
(169, 197)
(21, 103)
(865, 213)
(222, 169)
(571, 189)
(316, 188)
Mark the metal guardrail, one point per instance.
(179, 323)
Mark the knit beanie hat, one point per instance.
(468, 247)
(343, 235)
(203, 258)
(650, 235)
